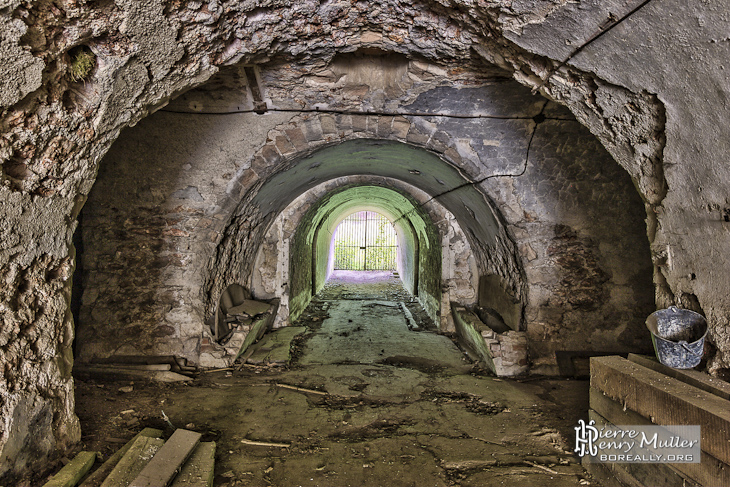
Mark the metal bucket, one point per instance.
(678, 336)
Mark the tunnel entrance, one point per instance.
(365, 241)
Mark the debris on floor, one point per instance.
(145, 461)
(164, 368)
(364, 401)
(275, 347)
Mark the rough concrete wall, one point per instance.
(579, 225)
(300, 265)
(429, 274)
(674, 56)
(154, 209)
(408, 249)
(638, 89)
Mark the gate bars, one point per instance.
(365, 241)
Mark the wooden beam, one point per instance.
(133, 462)
(638, 474)
(694, 378)
(710, 471)
(96, 478)
(168, 461)
(198, 470)
(73, 471)
(122, 373)
(665, 400)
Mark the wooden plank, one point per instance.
(639, 474)
(694, 378)
(258, 328)
(198, 470)
(613, 411)
(710, 471)
(666, 400)
(72, 472)
(156, 367)
(123, 373)
(96, 478)
(133, 462)
(160, 471)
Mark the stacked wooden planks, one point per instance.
(641, 391)
(146, 461)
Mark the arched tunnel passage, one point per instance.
(419, 259)
(190, 198)
(436, 181)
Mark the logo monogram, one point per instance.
(585, 437)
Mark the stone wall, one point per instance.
(653, 90)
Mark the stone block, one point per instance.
(417, 138)
(400, 127)
(297, 138)
(312, 130)
(452, 155)
(283, 145)
(359, 123)
(372, 124)
(489, 335)
(270, 155)
(384, 126)
(328, 125)
(344, 122)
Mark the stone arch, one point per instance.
(57, 131)
(459, 274)
(416, 230)
(495, 252)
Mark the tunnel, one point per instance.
(516, 212)
(546, 172)
(523, 215)
(415, 221)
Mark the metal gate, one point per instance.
(365, 241)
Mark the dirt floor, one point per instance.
(376, 415)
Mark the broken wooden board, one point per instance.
(249, 307)
(275, 347)
(177, 364)
(198, 470)
(412, 325)
(156, 367)
(694, 378)
(168, 461)
(637, 474)
(133, 462)
(96, 478)
(710, 471)
(73, 471)
(258, 329)
(665, 400)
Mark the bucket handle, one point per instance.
(684, 345)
